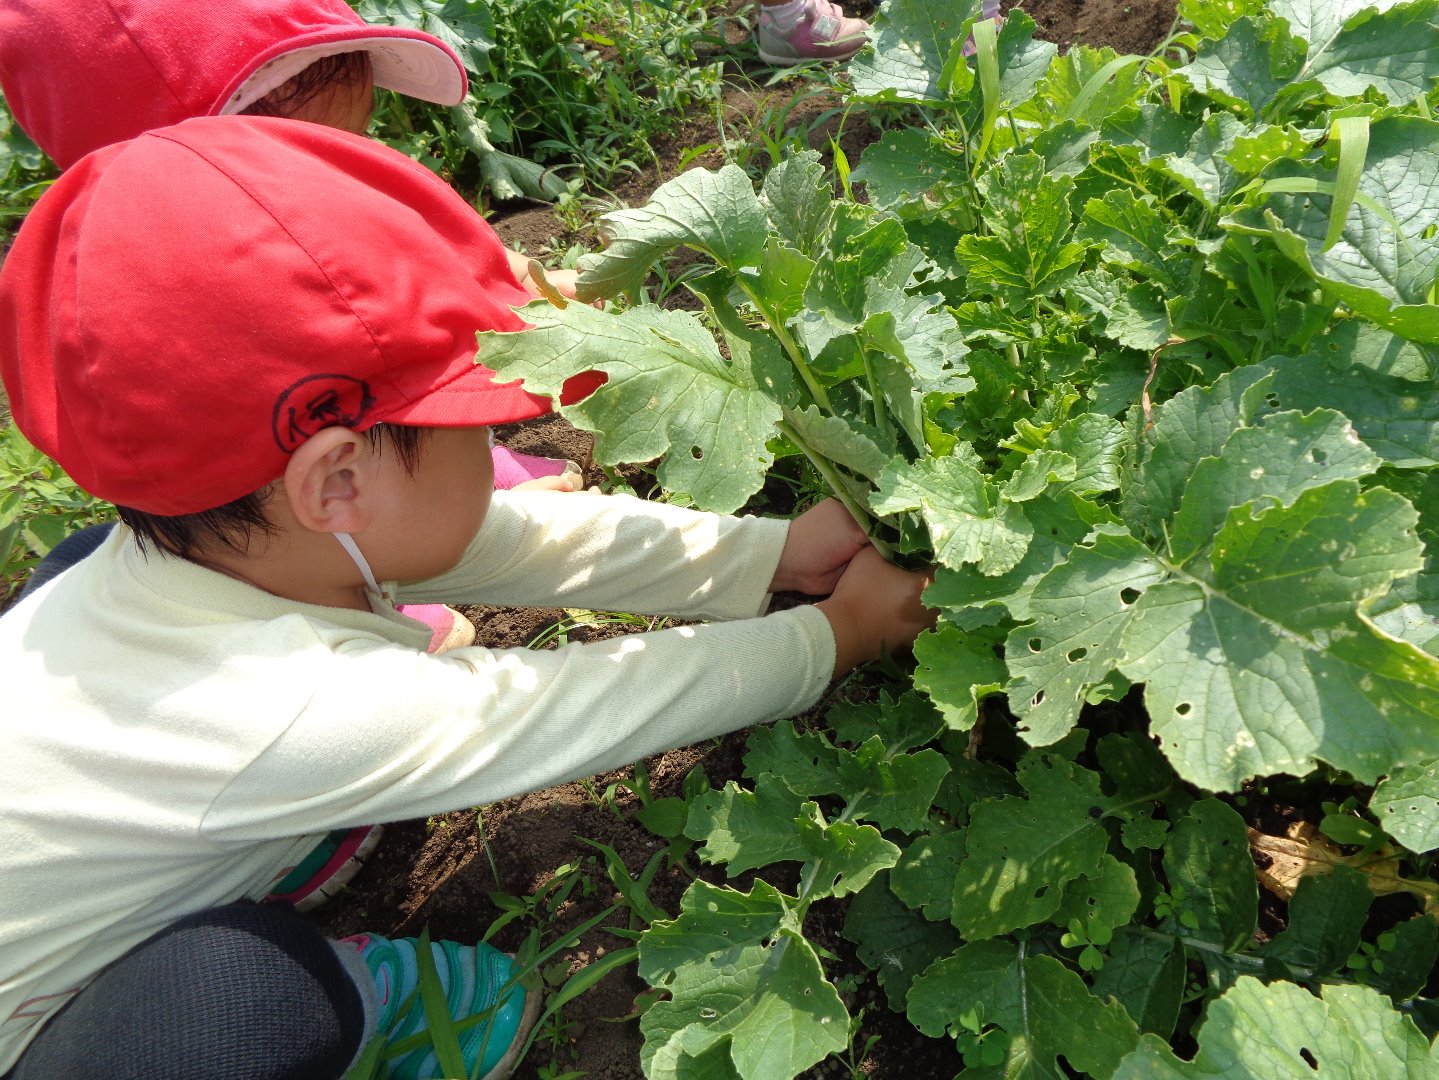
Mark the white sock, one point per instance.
(786, 16)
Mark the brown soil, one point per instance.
(459, 873)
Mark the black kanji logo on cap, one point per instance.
(317, 402)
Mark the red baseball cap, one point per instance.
(82, 74)
(179, 312)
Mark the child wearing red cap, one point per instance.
(288, 412)
(84, 74)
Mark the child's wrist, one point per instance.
(850, 647)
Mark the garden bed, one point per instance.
(441, 873)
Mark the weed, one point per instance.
(25, 171)
(591, 84)
(575, 618)
(39, 507)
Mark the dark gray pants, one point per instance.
(240, 992)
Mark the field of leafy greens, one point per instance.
(1140, 353)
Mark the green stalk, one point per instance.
(811, 872)
(840, 489)
(791, 347)
(1254, 963)
(881, 414)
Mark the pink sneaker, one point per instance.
(327, 869)
(988, 10)
(823, 32)
(512, 469)
(448, 628)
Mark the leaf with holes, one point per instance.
(1345, 1031)
(1020, 852)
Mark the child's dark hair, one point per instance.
(325, 75)
(236, 522)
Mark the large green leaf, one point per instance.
(1134, 233)
(1145, 973)
(712, 920)
(716, 212)
(1280, 460)
(1248, 67)
(1248, 630)
(745, 829)
(924, 876)
(1407, 805)
(908, 166)
(1355, 45)
(1086, 86)
(968, 522)
(1280, 1031)
(1385, 262)
(1397, 418)
(467, 28)
(1028, 250)
(1020, 852)
(1267, 662)
(911, 43)
(1082, 609)
(1212, 17)
(883, 781)
(670, 392)
(1043, 1006)
(1325, 920)
(1208, 864)
(958, 668)
(767, 1007)
(798, 196)
(894, 940)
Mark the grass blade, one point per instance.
(1352, 133)
(438, 1021)
(986, 55)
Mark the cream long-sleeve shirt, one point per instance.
(174, 739)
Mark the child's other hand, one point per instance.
(563, 482)
(820, 545)
(563, 282)
(875, 609)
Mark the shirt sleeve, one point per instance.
(611, 553)
(391, 734)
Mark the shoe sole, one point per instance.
(505, 1067)
(795, 61)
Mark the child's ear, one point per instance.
(327, 479)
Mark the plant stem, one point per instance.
(791, 347)
(881, 414)
(1243, 960)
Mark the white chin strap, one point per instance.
(353, 550)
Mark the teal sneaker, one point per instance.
(478, 980)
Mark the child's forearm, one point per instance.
(612, 553)
(417, 734)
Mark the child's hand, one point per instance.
(875, 609)
(563, 281)
(563, 482)
(820, 545)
